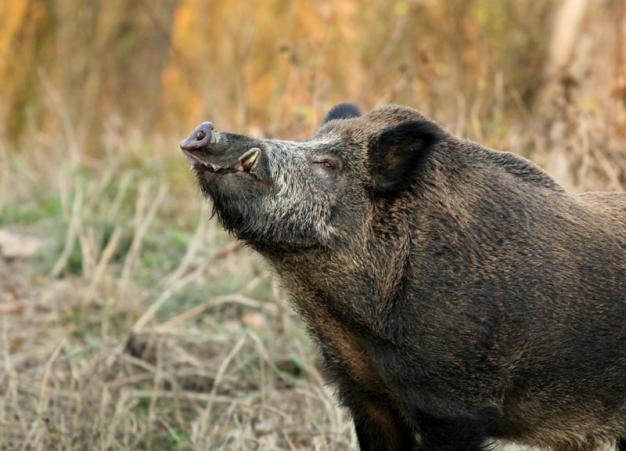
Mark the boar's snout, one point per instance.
(200, 138)
(223, 153)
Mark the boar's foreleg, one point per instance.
(379, 428)
(452, 434)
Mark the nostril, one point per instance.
(200, 138)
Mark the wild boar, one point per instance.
(458, 294)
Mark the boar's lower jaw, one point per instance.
(244, 218)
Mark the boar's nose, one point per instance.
(200, 138)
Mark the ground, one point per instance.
(235, 371)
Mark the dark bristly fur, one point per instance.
(457, 294)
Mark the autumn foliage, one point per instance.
(275, 66)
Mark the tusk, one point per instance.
(248, 159)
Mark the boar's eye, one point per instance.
(329, 165)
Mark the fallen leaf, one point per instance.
(254, 320)
(13, 308)
(15, 345)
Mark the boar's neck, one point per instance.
(365, 277)
(358, 282)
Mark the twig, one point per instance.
(72, 232)
(4, 177)
(194, 396)
(192, 249)
(105, 258)
(234, 298)
(119, 196)
(204, 418)
(142, 226)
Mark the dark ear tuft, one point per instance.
(397, 154)
(342, 111)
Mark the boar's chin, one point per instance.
(240, 203)
(245, 219)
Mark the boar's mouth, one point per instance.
(221, 153)
(245, 163)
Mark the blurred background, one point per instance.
(128, 319)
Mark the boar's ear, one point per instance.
(342, 111)
(396, 155)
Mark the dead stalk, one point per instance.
(72, 233)
(235, 298)
(206, 414)
(103, 262)
(192, 248)
(142, 224)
